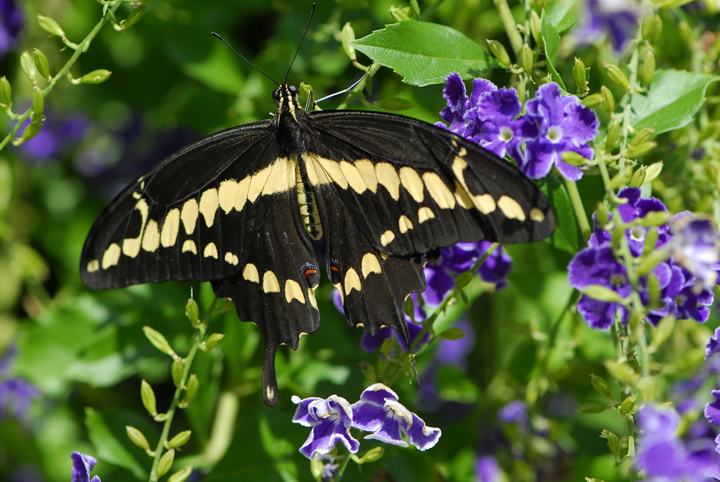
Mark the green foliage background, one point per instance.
(87, 353)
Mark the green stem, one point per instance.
(509, 24)
(579, 209)
(170, 414)
(343, 466)
(82, 48)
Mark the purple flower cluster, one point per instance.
(82, 465)
(12, 20)
(378, 411)
(60, 133)
(16, 394)
(664, 456)
(617, 20)
(553, 124)
(682, 278)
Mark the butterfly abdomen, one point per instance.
(308, 207)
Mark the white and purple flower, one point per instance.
(330, 419)
(82, 465)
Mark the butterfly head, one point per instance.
(285, 96)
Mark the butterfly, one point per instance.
(242, 207)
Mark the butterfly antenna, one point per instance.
(301, 42)
(242, 57)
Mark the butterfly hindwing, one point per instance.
(413, 187)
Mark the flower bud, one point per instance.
(613, 443)
(655, 218)
(642, 136)
(653, 287)
(42, 65)
(526, 59)
(602, 386)
(627, 405)
(148, 398)
(616, 75)
(651, 260)
(653, 171)
(137, 437)
(622, 372)
(400, 14)
(574, 159)
(657, 30)
(498, 50)
(181, 475)
(611, 137)
(520, 88)
(685, 33)
(38, 105)
(159, 341)
(608, 100)
(28, 66)
(601, 293)
(580, 76)
(647, 70)
(592, 406)
(638, 177)
(5, 92)
(180, 439)
(165, 462)
(176, 370)
(601, 215)
(373, 455)
(535, 28)
(348, 36)
(29, 132)
(647, 26)
(192, 312)
(591, 101)
(96, 77)
(651, 239)
(134, 17)
(50, 26)
(634, 152)
(213, 341)
(193, 385)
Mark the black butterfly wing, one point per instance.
(191, 215)
(412, 187)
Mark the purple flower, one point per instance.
(455, 352)
(379, 411)
(487, 469)
(712, 409)
(663, 454)
(616, 19)
(487, 118)
(330, 419)
(696, 246)
(16, 395)
(713, 345)
(462, 257)
(514, 412)
(563, 124)
(12, 20)
(598, 266)
(59, 134)
(82, 465)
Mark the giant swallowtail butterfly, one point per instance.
(241, 207)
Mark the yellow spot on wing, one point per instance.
(210, 251)
(151, 237)
(93, 265)
(170, 228)
(270, 283)
(131, 246)
(387, 237)
(388, 177)
(250, 273)
(189, 215)
(257, 183)
(333, 171)
(405, 224)
(440, 193)
(316, 174)
(511, 208)
(537, 215)
(462, 197)
(226, 194)
(209, 203)
(311, 297)
(485, 203)
(370, 264)
(231, 258)
(111, 256)
(293, 291)
(241, 195)
(189, 246)
(412, 182)
(367, 172)
(462, 152)
(352, 281)
(353, 177)
(281, 178)
(425, 213)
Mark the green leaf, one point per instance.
(566, 236)
(219, 70)
(558, 18)
(674, 98)
(107, 445)
(425, 53)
